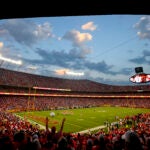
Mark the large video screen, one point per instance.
(140, 78)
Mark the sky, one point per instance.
(101, 48)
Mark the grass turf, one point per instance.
(81, 119)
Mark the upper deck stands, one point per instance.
(21, 79)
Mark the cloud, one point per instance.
(77, 38)
(43, 30)
(80, 52)
(144, 58)
(138, 60)
(61, 71)
(143, 27)
(78, 41)
(9, 51)
(32, 67)
(68, 72)
(50, 60)
(53, 58)
(99, 66)
(1, 45)
(89, 26)
(25, 32)
(118, 79)
(69, 60)
(125, 71)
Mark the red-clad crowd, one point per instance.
(19, 134)
(25, 103)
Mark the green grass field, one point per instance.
(81, 119)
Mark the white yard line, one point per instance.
(33, 122)
(91, 129)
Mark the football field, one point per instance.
(80, 119)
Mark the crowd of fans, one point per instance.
(19, 134)
(25, 103)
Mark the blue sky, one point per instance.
(101, 48)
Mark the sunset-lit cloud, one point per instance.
(77, 37)
(68, 72)
(61, 71)
(1, 44)
(89, 26)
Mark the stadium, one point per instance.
(65, 82)
(30, 102)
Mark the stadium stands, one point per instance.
(17, 94)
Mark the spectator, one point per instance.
(132, 141)
(36, 142)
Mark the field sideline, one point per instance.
(81, 119)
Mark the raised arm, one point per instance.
(60, 133)
(46, 124)
(62, 124)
